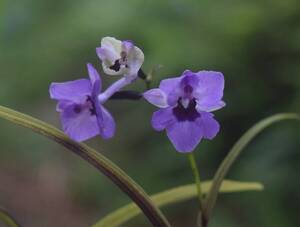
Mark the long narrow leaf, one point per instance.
(114, 173)
(171, 196)
(234, 153)
(7, 219)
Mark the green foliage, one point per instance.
(174, 196)
(256, 44)
(7, 219)
(235, 152)
(108, 168)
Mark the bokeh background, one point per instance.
(255, 43)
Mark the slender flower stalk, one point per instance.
(115, 87)
(197, 177)
(203, 222)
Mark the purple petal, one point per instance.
(210, 127)
(189, 78)
(185, 135)
(95, 79)
(171, 87)
(110, 49)
(63, 104)
(209, 107)
(209, 90)
(168, 85)
(135, 59)
(127, 46)
(163, 118)
(107, 54)
(106, 123)
(156, 97)
(78, 123)
(72, 90)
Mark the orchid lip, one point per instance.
(185, 102)
(188, 113)
(116, 67)
(91, 105)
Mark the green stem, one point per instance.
(7, 219)
(195, 171)
(197, 178)
(96, 159)
(234, 153)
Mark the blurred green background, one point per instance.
(255, 43)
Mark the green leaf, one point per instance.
(7, 219)
(234, 153)
(174, 195)
(108, 168)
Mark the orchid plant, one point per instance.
(185, 111)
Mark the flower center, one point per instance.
(77, 108)
(186, 113)
(91, 105)
(187, 96)
(188, 89)
(120, 62)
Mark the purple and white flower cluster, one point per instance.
(80, 102)
(185, 102)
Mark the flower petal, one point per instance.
(156, 97)
(72, 90)
(110, 50)
(95, 79)
(109, 53)
(209, 107)
(63, 104)
(79, 124)
(106, 124)
(135, 61)
(163, 118)
(210, 127)
(127, 46)
(209, 90)
(189, 78)
(171, 87)
(185, 135)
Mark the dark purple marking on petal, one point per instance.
(188, 89)
(79, 126)
(91, 105)
(116, 67)
(186, 114)
(95, 79)
(77, 108)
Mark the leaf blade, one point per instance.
(108, 168)
(171, 196)
(8, 219)
(234, 153)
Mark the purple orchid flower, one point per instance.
(82, 115)
(120, 57)
(186, 103)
